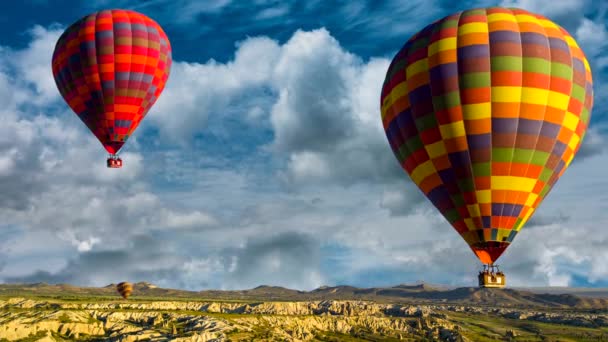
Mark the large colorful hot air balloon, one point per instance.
(124, 289)
(111, 67)
(485, 110)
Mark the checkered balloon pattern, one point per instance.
(485, 109)
(111, 67)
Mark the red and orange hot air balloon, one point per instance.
(485, 110)
(111, 67)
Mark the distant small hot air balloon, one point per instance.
(110, 67)
(124, 289)
(485, 110)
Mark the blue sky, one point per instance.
(264, 160)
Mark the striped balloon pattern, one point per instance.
(485, 109)
(111, 67)
(124, 289)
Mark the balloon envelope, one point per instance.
(485, 110)
(124, 289)
(110, 67)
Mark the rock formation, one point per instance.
(50, 320)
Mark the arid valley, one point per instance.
(42, 312)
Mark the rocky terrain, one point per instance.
(78, 314)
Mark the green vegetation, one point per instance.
(64, 318)
(337, 337)
(259, 332)
(30, 338)
(491, 328)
